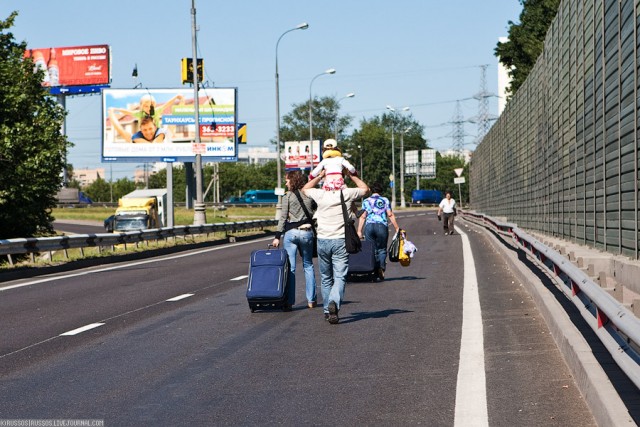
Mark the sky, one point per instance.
(421, 54)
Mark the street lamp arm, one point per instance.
(302, 26)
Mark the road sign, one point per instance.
(458, 180)
(458, 171)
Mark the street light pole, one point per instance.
(329, 71)
(361, 169)
(199, 209)
(349, 95)
(393, 154)
(402, 201)
(302, 26)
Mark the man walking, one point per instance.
(333, 259)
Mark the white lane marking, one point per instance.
(82, 329)
(471, 391)
(179, 297)
(127, 265)
(239, 277)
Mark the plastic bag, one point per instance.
(403, 257)
(394, 248)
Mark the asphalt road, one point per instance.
(205, 359)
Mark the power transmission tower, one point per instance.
(458, 134)
(483, 119)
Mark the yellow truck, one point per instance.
(139, 210)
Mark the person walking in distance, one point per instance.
(447, 212)
(295, 225)
(375, 222)
(333, 258)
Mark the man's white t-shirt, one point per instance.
(447, 205)
(329, 213)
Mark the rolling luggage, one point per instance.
(267, 286)
(362, 265)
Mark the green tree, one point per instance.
(31, 146)
(526, 40)
(98, 191)
(235, 179)
(159, 180)
(372, 142)
(295, 125)
(121, 187)
(101, 190)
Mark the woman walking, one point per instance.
(296, 225)
(375, 220)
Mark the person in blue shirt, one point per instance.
(375, 220)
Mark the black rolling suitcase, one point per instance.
(362, 265)
(267, 286)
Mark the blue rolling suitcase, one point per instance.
(362, 265)
(268, 279)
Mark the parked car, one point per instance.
(255, 196)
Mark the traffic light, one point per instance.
(187, 70)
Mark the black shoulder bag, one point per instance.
(351, 239)
(313, 226)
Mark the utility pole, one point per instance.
(199, 209)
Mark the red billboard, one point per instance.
(73, 66)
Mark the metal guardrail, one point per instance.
(34, 245)
(613, 323)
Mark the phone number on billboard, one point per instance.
(220, 130)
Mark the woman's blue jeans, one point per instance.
(333, 261)
(302, 240)
(379, 234)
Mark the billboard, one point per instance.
(73, 66)
(425, 167)
(428, 164)
(297, 154)
(159, 125)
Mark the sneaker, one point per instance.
(381, 274)
(326, 316)
(333, 313)
(451, 232)
(311, 304)
(446, 232)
